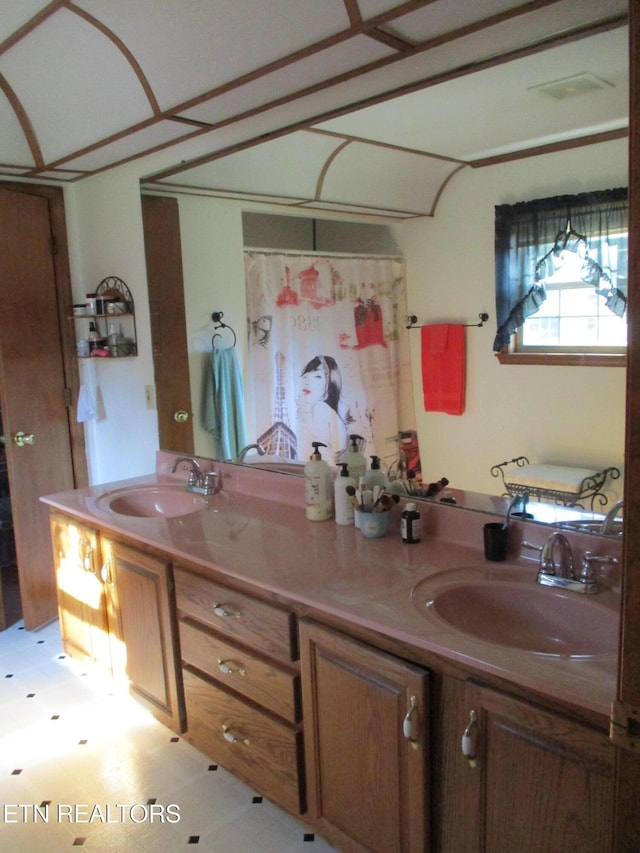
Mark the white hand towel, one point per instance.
(86, 406)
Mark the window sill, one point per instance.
(586, 359)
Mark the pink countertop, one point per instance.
(255, 530)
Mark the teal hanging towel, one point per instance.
(223, 414)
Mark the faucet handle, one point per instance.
(211, 482)
(589, 562)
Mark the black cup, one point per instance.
(495, 541)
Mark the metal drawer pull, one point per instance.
(469, 738)
(229, 735)
(410, 723)
(229, 669)
(223, 610)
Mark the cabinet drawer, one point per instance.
(265, 754)
(252, 622)
(240, 670)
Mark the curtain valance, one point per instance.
(528, 235)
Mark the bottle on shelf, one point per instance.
(112, 340)
(93, 337)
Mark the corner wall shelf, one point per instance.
(117, 310)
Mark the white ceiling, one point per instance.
(362, 105)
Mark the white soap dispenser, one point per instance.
(317, 486)
(376, 477)
(342, 501)
(355, 459)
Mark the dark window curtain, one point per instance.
(528, 232)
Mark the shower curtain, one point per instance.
(325, 342)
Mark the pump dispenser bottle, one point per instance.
(355, 459)
(342, 501)
(376, 477)
(317, 486)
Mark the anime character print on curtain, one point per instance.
(324, 352)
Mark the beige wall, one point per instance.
(571, 415)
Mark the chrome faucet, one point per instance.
(562, 575)
(610, 517)
(547, 562)
(245, 450)
(199, 482)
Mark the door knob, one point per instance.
(181, 416)
(21, 438)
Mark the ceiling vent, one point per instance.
(571, 87)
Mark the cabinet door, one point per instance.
(548, 781)
(81, 594)
(457, 791)
(367, 781)
(143, 629)
(540, 782)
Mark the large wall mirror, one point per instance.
(565, 415)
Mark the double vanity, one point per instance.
(393, 697)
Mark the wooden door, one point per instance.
(32, 392)
(163, 253)
(367, 782)
(143, 629)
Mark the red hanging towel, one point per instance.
(443, 368)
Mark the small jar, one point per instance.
(82, 348)
(411, 526)
(90, 302)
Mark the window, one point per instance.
(561, 278)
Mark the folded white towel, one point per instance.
(86, 406)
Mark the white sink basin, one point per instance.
(520, 615)
(153, 501)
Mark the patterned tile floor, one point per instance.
(83, 767)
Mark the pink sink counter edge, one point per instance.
(256, 530)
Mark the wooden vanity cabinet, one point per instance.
(380, 762)
(116, 609)
(366, 744)
(540, 782)
(241, 681)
